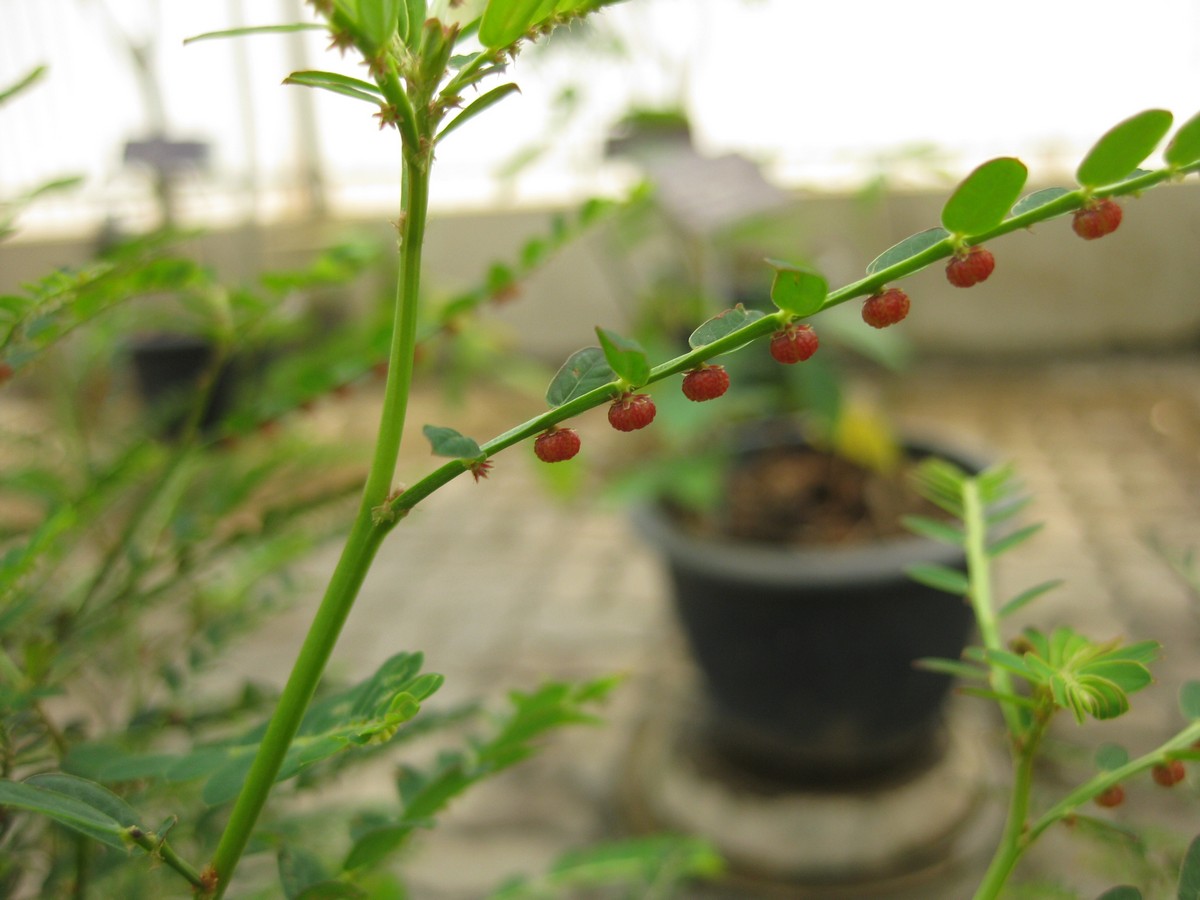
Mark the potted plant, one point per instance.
(419, 85)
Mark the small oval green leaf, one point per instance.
(448, 442)
(1121, 892)
(1037, 198)
(584, 370)
(797, 290)
(1184, 148)
(1110, 756)
(907, 248)
(722, 325)
(983, 198)
(1123, 147)
(1189, 700)
(625, 357)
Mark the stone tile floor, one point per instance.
(502, 588)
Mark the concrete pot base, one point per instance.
(925, 833)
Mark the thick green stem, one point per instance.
(1023, 739)
(361, 544)
(1015, 838)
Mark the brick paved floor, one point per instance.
(502, 588)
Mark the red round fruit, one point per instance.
(1098, 218)
(1168, 774)
(794, 344)
(971, 268)
(1110, 797)
(705, 383)
(556, 445)
(631, 412)
(885, 308)
(6, 372)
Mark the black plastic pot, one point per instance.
(168, 369)
(806, 654)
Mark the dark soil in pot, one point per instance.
(802, 621)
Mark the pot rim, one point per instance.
(873, 561)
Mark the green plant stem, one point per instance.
(761, 327)
(1068, 202)
(1023, 739)
(1104, 780)
(159, 848)
(1016, 837)
(979, 594)
(361, 544)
